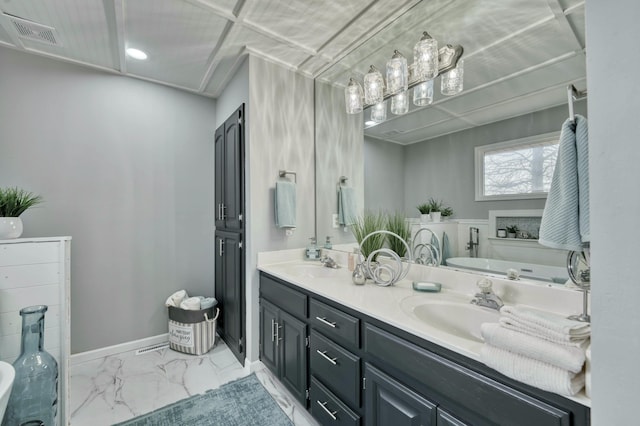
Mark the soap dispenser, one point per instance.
(327, 243)
(312, 250)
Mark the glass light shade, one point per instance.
(373, 86)
(353, 97)
(452, 81)
(425, 56)
(400, 103)
(379, 112)
(423, 93)
(397, 74)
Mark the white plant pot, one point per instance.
(435, 216)
(10, 227)
(425, 218)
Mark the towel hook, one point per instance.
(574, 94)
(283, 173)
(341, 181)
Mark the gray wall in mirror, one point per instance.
(384, 175)
(339, 152)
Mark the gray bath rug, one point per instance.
(243, 402)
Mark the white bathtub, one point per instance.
(555, 274)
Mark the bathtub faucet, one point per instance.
(472, 245)
(487, 297)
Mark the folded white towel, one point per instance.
(532, 372)
(176, 298)
(191, 304)
(545, 325)
(207, 302)
(564, 356)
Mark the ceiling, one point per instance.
(195, 45)
(519, 54)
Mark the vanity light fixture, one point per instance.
(397, 73)
(353, 97)
(373, 86)
(136, 54)
(429, 63)
(379, 112)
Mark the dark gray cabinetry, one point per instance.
(229, 200)
(364, 371)
(229, 172)
(283, 347)
(388, 402)
(228, 275)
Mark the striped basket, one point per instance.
(192, 332)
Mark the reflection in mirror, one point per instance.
(519, 58)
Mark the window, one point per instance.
(517, 169)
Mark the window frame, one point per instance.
(481, 151)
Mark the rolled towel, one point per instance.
(208, 302)
(545, 325)
(563, 356)
(532, 372)
(176, 298)
(191, 304)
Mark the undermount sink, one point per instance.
(456, 318)
(7, 375)
(310, 270)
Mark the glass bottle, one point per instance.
(34, 398)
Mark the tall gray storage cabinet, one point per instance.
(230, 257)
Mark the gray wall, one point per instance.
(384, 175)
(126, 169)
(282, 137)
(614, 133)
(444, 167)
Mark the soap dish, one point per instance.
(427, 286)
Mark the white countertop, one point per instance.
(384, 303)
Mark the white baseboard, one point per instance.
(81, 357)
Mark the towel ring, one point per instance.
(341, 181)
(283, 173)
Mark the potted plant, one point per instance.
(424, 212)
(512, 230)
(14, 202)
(366, 224)
(435, 209)
(446, 212)
(397, 224)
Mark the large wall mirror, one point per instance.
(519, 57)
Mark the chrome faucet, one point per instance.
(329, 262)
(432, 250)
(487, 298)
(472, 245)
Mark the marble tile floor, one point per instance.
(119, 387)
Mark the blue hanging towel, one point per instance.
(347, 211)
(565, 220)
(285, 204)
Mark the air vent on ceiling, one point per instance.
(30, 30)
(393, 132)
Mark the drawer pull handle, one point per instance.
(324, 321)
(330, 413)
(273, 331)
(323, 354)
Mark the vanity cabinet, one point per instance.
(283, 344)
(364, 371)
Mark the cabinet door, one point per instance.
(219, 279)
(388, 402)
(229, 274)
(268, 346)
(234, 164)
(219, 176)
(291, 337)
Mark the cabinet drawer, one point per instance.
(335, 323)
(484, 400)
(336, 367)
(284, 297)
(29, 253)
(328, 409)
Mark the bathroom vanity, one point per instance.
(353, 356)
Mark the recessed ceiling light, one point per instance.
(136, 53)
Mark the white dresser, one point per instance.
(35, 271)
